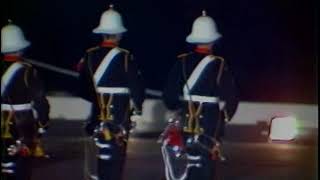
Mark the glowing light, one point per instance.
(283, 128)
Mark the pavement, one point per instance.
(247, 159)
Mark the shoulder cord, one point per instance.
(12, 112)
(90, 67)
(100, 98)
(193, 112)
(191, 107)
(218, 84)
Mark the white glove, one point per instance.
(41, 130)
(15, 148)
(135, 118)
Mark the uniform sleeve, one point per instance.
(39, 100)
(85, 88)
(228, 93)
(173, 88)
(136, 85)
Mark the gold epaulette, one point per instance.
(92, 49)
(219, 58)
(124, 50)
(220, 69)
(27, 72)
(182, 56)
(127, 58)
(27, 64)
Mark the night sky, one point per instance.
(270, 45)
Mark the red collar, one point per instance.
(108, 44)
(203, 50)
(11, 58)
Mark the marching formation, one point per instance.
(110, 79)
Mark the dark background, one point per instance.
(270, 45)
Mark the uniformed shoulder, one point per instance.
(219, 58)
(26, 64)
(29, 72)
(124, 50)
(184, 55)
(92, 49)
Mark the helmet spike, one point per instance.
(204, 13)
(9, 21)
(111, 6)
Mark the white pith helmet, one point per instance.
(12, 38)
(204, 30)
(110, 23)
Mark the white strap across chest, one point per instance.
(104, 65)
(8, 75)
(196, 74)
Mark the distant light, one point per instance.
(283, 128)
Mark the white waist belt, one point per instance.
(113, 90)
(201, 99)
(16, 107)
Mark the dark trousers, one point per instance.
(111, 169)
(111, 159)
(206, 171)
(201, 148)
